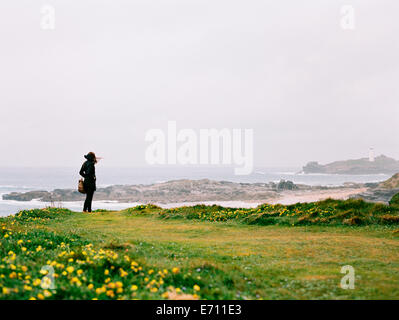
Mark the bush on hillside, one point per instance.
(41, 214)
(395, 200)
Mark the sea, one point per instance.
(29, 179)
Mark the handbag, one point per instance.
(81, 187)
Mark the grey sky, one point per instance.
(113, 69)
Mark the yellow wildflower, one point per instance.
(76, 280)
(122, 272)
(175, 270)
(47, 293)
(110, 293)
(37, 282)
(100, 290)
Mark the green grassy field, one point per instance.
(271, 252)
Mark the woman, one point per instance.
(88, 172)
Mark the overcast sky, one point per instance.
(111, 70)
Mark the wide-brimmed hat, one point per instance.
(91, 156)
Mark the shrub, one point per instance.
(142, 208)
(380, 208)
(354, 221)
(389, 219)
(327, 212)
(359, 204)
(261, 219)
(41, 214)
(395, 200)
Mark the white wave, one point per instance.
(288, 173)
(260, 172)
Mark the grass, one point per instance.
(271, 252)
(326, 212)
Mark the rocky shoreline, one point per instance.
(377, 195)
(194, 191)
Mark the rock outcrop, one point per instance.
(382, 164)
(169, 192)
(391, 183)
(377, 195)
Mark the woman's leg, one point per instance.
(89, 199)
(85, 205)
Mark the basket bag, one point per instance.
(81, 187)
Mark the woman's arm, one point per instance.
(82, 171)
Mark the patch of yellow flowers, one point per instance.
(81, 272)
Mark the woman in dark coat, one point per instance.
(88, 171)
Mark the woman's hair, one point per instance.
(91, 156)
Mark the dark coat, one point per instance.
(88, 171)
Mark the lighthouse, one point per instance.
(371, 155)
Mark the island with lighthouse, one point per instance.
(371, 165)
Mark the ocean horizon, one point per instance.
(29, 179)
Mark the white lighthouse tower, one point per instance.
(371, 155)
